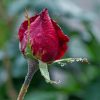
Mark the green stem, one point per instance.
(32, 68)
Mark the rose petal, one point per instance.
(22, 34)
(63, 39)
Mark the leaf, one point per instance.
(71, 60)
(28, 51)
(44, 95)
(92, 91)
(44, 71)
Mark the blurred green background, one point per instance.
(80, 20)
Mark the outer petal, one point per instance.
(22, 34)
(63, 39)
(43, 39)
(46, 23)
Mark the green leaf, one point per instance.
(71, 60)
(45, 95)
(28, 51)
(44, 71)
(93, 90)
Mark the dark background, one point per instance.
(80, 20)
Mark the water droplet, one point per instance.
(63, 64)
(72, 61)
(78, 60)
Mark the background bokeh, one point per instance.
(80, 20)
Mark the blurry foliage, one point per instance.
(78, 81)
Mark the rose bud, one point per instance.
(46, 39)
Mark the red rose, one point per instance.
(47, 41)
